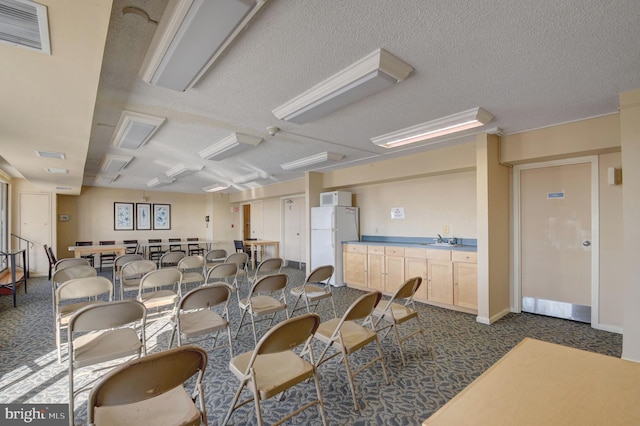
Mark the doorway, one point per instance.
(294, 232)
(35, 226)
(246, 221)
(556, 247)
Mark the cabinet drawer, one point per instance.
(394, 251)
(376, 250)
(418, 253)
(354, 248)
(438, 254)
(464, 256)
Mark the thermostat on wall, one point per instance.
(63, 218)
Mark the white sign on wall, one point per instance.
(397, 213)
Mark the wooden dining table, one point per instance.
(79, 251)
(257, 246)
(541, 383)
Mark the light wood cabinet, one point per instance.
(355, 264)
(465, 280)
(375, 268)
(450, 277)
(393, 268)
(415, 265)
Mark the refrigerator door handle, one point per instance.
(333, 238)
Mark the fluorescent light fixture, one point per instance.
(371, 74)
(455, 123)
(134, 129)
(191, 36)
(50, 154)
(105, 179)
(215, 187)
(24, 23)
(114, 163)
(57, 170)
(323, 157)
(229, 146)
(182, 170)
(251, 177)
(158, 182)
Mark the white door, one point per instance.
(35, 226)
(294, 228)
(556, 221)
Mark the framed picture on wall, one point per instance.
(162, 216)
(123, 216)
(143, 216)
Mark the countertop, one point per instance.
(468, 244)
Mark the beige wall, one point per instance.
(611, 247)
(630, 137)
(430, 204)
(91, 216)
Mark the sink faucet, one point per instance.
(439, 239)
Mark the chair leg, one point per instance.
(58, 343)
(384, 370)
(395, 330)
(256, 399)
(350, 378)
(232, 407)
(320, 401)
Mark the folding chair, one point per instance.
(316, 287)
(346, 336)
(398, 310)
(119, 262)
(214, 257)
(69, 271)
(272, 367)
(224, 272)
(77, 293)
(242, 260)
(105, 332)
(154, 294)
(195, 315)
(267, 297)
(170, 259)
(131, 273)
(192, 268)
(266, 267)
(152, 390)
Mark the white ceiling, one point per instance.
(531, 64)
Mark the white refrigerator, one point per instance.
(330, 226)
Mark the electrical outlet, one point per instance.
(445, 229)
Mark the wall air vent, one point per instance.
(24, 23)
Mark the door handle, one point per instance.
(586, 243)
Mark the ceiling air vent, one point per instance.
(24, 23)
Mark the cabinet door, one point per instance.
(440, 289)
(465, 277)
(394, 273)
(375, 272)
(355, 269)
(414, 267)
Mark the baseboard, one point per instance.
(610, 328)
(494, 318)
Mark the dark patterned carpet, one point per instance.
(459, 350)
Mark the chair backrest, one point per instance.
(407, 289)
(270, 283)
(269, 266)
(107, 242)
(51, 255)
(362, 307)
(239, 259)
(288, 334)
(205, 296)
(221, 271)
(322, 274)
(157, 247)
(137, 268)
(68, 262)
(147, 377)
(171, 258)
(216, 254)
(239, 245)
(131, 250)
(81, 288)
(161, 278)
(106, 315)
(126, 258)
(84, 243)
(77, 271)
(191, 262)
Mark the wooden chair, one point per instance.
(175, 247)
(131, 250)
(155, 249)
(89, 257)
(108, 257)
(194, 249)
(51, 258)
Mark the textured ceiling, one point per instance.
(531, 64)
